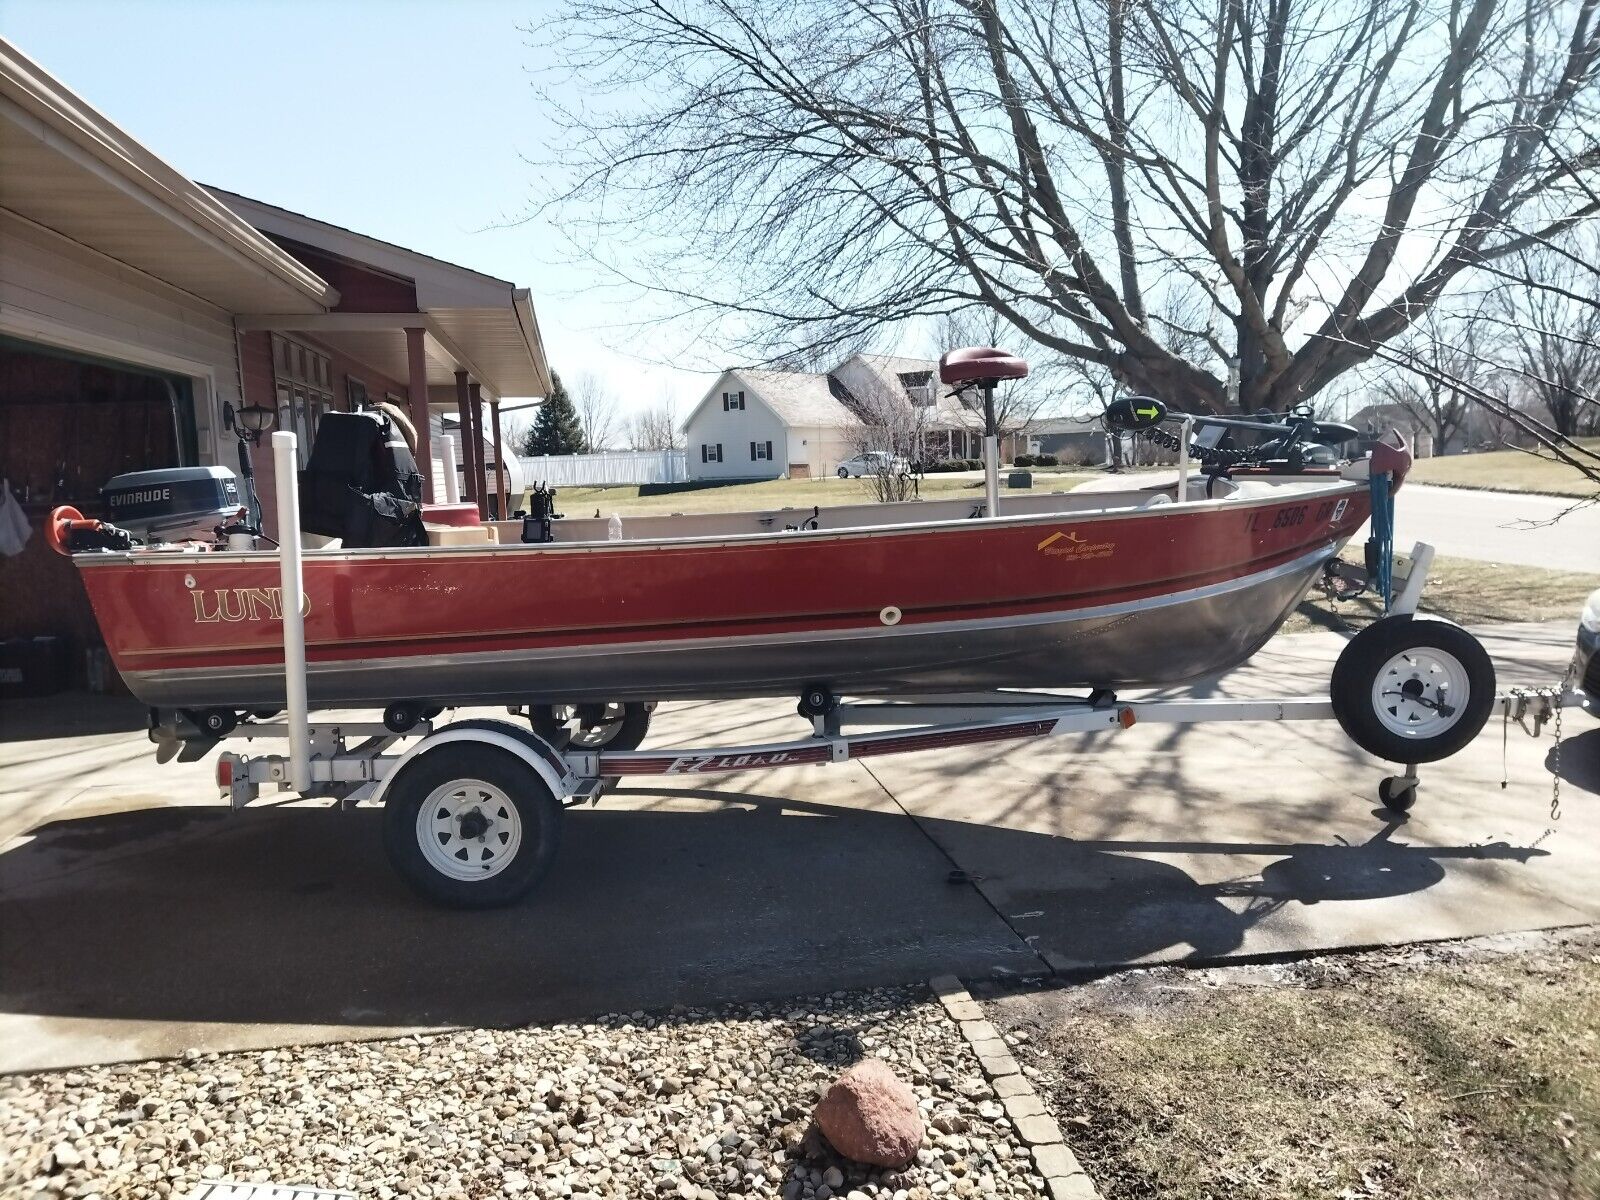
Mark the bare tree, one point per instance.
(1319, 172)
(597, 411)
(892, 426)
(1554, 338)
(1456, 347)
(656, 428)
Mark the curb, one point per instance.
(1064, 1176)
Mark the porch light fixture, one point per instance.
(256, 419)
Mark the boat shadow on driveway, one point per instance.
(292, 916)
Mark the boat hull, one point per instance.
(1107, 599)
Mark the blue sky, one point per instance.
(405, 120)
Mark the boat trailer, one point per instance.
(473, 807)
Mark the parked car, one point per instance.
(872, 462)
(1586, 660)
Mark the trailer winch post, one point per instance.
(285, 464)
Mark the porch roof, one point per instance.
(70, 170)
(475, 322)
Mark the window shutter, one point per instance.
(719, 451)
(703, 452)
(741, 399)
(752, 452)
(769, 451)
(724, 401)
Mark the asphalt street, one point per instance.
(1503, 527)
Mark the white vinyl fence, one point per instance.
(607, 467)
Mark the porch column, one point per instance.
(417, 386)
(482, 493)
(463, 398)
(500, 473)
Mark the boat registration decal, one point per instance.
(1295, 515)
(1069, 545)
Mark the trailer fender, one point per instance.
(515, 739)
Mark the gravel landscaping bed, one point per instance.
(694, 1103)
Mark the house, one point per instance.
(1073, 440)
(768, 425)
(757, 424)
(137, 307)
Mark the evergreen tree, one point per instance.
(557, 429)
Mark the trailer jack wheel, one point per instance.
(1398, 793)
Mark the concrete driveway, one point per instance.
(138, 919)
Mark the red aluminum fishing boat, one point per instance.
(1099, 589)
(1150, 585)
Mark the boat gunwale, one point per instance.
(174, 555)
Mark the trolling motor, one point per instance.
(1296, 439)
(536, 524)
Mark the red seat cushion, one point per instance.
(978, 363)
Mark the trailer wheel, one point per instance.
(1411, 690)
(471, 826)
(614, 726)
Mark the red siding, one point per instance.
(361, 289)
(255, 370)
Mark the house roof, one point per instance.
(799, 397)
(70, 170)
(476, 322)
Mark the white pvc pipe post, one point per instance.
(452, 480)
(1183, 459)
(991, 474)
(286, 464)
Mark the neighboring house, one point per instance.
(1071, 439)
(768, 425)
(135, 304)
(1377, 419)
(756, 424)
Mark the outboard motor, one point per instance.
(174, 504)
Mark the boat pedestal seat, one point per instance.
(981, 365)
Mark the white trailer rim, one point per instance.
(1420, 693)
(469, 830)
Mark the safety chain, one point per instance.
(1519, 698)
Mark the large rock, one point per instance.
(869, 1115)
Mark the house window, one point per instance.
(303, 380)
(760, 451)
(355, 392)
(710, 454)
(918, 386)
(732, 401)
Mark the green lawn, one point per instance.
(1459, 589)
(769, 493)
(1508, 471)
